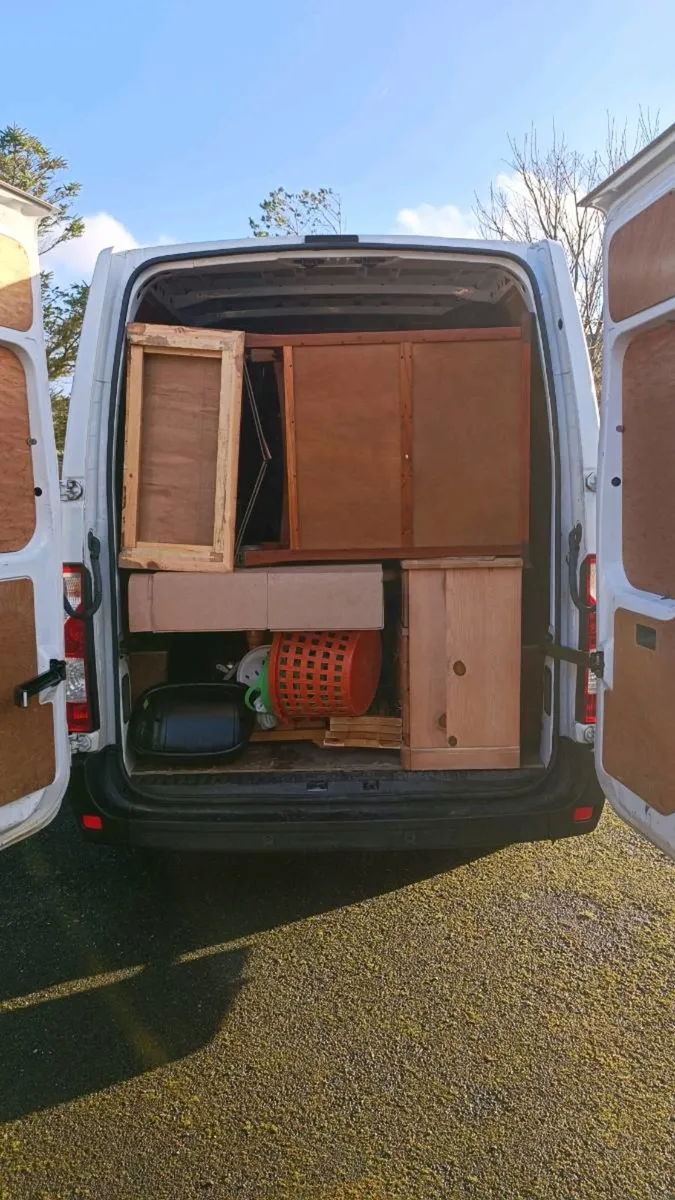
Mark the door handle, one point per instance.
(33, 687)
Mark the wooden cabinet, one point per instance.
(407, 442)
(461, 664)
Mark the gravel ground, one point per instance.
(361, 1028)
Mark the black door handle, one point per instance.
(33, 687)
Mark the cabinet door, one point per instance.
(344, 446)
(470, 445)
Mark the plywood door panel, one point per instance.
(648, 475)
(470, 443)
(26, 735)
(427, 658)
(16, 292)
(17, 498)
(179, 429)
(347, 446)
(638, 745)
(483, 618)
(641, 260)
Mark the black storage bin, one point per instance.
(192, 721)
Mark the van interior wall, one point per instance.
(200, 657)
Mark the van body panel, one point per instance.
(635, 747)
(34, 749)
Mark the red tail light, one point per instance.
(79, 707)
(588, 683)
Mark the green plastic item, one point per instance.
(259, 689)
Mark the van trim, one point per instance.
(166, 260)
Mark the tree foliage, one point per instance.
(26, 163)
(288, 214)
(539, 198)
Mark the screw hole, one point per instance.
(459, 668)
(616, 482)
(452, 741)
(38, 491)
(560, 323)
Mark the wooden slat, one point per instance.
(406, 413)
(382, 337)
(178, 337)
(269, 556)
(485, 758)
(227, 456)
(17, 498)
(132, 447)
(16, 290)
(427, 658)
(290, 448)
(27, 750)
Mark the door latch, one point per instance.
(591, 660)
(32, 687)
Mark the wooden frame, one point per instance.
(227, 346)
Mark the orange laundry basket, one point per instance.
(324, 674)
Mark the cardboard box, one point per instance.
(290, 598)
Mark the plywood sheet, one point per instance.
(26, 735)
(426, 659)
(638, 745)
(16, 293)
(347, 446)
(641, 260)
(17, 499)
(179, 430)
(648, 487)
(470, 444)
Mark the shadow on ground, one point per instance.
(74, 914)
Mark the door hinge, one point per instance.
(71, 489)
(32, 687)
(592, 660)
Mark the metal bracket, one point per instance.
(591, 660)
(71, 489)
(32, 687)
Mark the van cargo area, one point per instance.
(334, 490)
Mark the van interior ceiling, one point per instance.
(388, 594)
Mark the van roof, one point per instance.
(644, 163)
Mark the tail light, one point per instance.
(587, 686)
(80, 691)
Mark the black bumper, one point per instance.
(338, 812)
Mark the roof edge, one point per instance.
(642, 164)
(36, 208)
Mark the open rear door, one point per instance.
(34, 751)
(635, 747)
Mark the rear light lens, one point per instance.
(76, 634)
(587, 686)
(91, 821)
(583, 813)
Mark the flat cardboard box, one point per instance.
(284, 599)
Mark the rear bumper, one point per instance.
(336, 813)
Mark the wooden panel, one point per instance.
(348, 446)
(470, 444)
(381, 337)
(147, 668)
(485, 758)
(17, 499)
(16, 293)
(638, 745)
(26, 735)
(181, 448)
(181, 404)
(426, 655)
(641, 260)
(483, 614)
(648, 473)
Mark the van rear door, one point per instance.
(34, 750)
(635, 745)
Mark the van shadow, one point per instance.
(114, 962)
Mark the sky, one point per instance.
(178, 118)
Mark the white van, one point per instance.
(65, 702)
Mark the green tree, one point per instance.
(26, 163)
(288, 214)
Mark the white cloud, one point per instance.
(437, 220)
(76, 259)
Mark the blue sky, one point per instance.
(179, 118)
